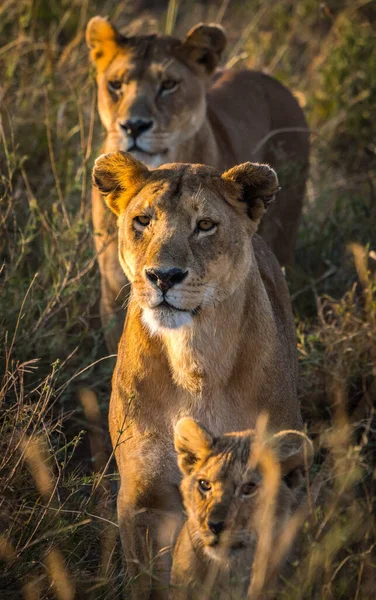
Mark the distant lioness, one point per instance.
(159, 100)
(236, 488)
(209, 329)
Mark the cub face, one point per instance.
(151, 89)
(184, 231)
(224, 484)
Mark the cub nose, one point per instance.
(134, 127)
(216, 526)
(164, 279)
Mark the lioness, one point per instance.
(229, 483)
(209, 329)
(159, 100)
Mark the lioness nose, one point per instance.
(216, 526)
(164, 279)
(134, 128)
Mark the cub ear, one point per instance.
(294, 449)
(192, 443)
(204, 45)
(119, 177)
(103, 40)
(256, 185)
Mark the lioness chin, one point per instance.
(161, 99)
(209, 330)
(236, 489)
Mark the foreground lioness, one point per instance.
(236, 488)
(158, 99)
(209, 329)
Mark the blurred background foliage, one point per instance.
(52, 348)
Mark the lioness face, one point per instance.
(184, 232)
(151, 89)
(179, 248)
(223, 486)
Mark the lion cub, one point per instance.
(235, 494)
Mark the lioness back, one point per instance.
(159, 99)
(234, 491)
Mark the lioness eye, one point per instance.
(114, 86)
(204, 485)
(205, 225)
(141, 221)
(168, 85)
(248, 489)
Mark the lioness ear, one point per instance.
(257, 186)
(294, 450)
(103, 41)
(119, 176)
(204, 45)
(192, 442)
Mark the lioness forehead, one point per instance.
(147, 47)
(189, 177)
(137, 54)
(170, 183)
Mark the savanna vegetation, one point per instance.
(58, 531)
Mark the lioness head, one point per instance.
(184, 231)
(223, 483)
(151, 88)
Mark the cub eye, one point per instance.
(168, 86)
(205, 225)
(141, 221)
(114, 86)
(248, 489)
(204, 485)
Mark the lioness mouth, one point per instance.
(167, 305)
(136, 148)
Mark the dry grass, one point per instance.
(58, 482)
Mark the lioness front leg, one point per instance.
(147, 531)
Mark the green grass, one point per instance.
(57, 477)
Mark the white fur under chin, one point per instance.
(153, 161)
(158, 321)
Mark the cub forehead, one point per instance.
(229, 460)
(227, 472)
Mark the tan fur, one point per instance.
(236, 468)
(226, 352)
(219, 119)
